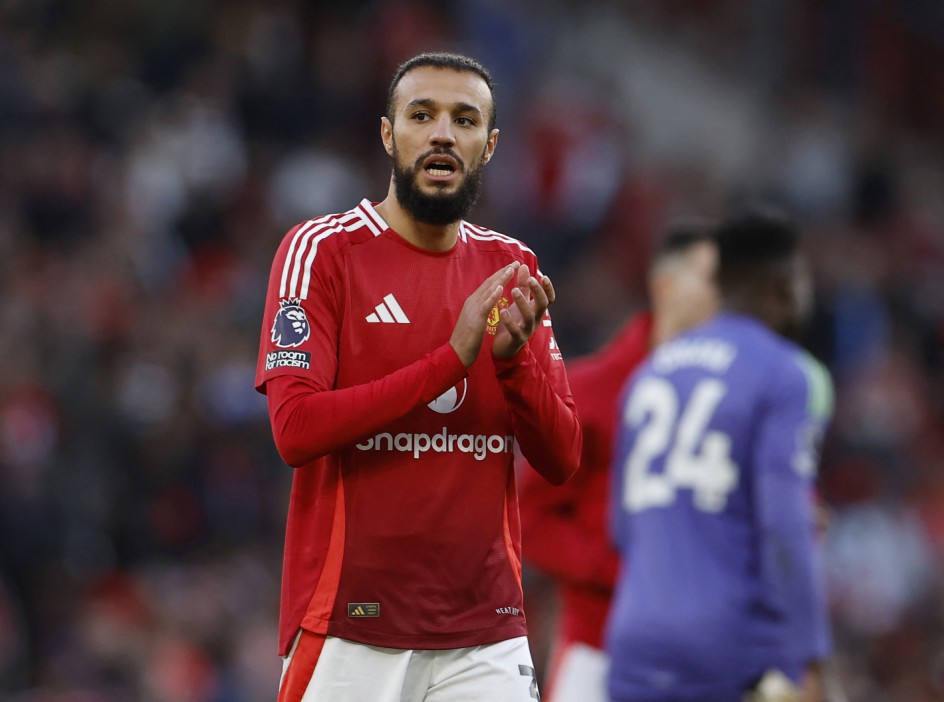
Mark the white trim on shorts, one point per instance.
(347, 671)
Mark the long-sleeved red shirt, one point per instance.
(403, 526)
(566, 529)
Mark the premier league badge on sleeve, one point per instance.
(290, 328)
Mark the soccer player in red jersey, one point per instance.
(565, 529)
(404, 353)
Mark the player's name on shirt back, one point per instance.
(713, 354)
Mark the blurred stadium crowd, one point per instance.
(154, 152)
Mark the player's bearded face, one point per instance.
(440, 206)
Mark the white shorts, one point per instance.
(579, 675)
(329, 669)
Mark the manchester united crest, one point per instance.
(491, 324)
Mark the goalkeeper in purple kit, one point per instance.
(721, 596)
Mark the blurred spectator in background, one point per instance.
(133, 452)
(565, 529)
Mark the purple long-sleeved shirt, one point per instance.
(713, 507)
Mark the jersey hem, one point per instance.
(427, 641)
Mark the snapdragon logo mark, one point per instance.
(450, 400)
(291, 327)
(479, 445)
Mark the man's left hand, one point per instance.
(517, 322)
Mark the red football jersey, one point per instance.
(403, 526)
(566, 528)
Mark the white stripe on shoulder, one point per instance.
(299, 234)
(310, 234)
(367, 208)
(311, 238)
(483, 234)
(369, 223)
(348, 223)
(310, 260)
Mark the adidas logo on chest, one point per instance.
(388, 312)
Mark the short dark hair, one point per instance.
(681, 236)
(753, 240)
(442, 59)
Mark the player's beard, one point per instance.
(440, 208)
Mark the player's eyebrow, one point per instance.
(429, 103)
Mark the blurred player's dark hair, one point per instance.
(754, 240)
(761, 269)
(682, 235)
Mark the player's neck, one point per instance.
(426, 236)
(663, 329)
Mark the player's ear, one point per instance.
(490, 146)
(386, 134)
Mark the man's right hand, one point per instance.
(467, 335)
